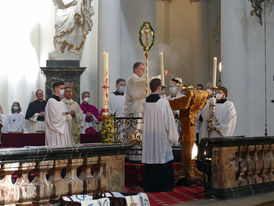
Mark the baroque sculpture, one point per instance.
(72, 24)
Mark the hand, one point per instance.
(42, 114)
(88, 114)
(72, 113)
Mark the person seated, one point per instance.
(91, 115)
(15, 121)
(76, 113)
(117, 98)
(225, 113)
(35, 113)
(3, 119)
(159, 134)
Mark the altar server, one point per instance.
(15, 121)
(160, 132)
(57, 119)
(117, 98)
(77, 122)
(35, 113)
(225, 113)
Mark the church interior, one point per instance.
(100, 65)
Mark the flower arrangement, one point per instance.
(107, 132)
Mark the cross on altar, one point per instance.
(189, 105)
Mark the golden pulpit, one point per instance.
(189, 106)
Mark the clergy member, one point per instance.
(175, 86)
(225, 113)
(76, 113)
(160, 132)
(15, 121)
(57, 119)
(91, 115)
(35, 113)
(117, 98)
(135, 93)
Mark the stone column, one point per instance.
(109, 40)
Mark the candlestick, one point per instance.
(162, 68)
(105, 83)
(214, 72)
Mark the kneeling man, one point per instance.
(160, 132)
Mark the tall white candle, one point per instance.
(220, 67)
(105, 83)
(162, 68)
(214, 72)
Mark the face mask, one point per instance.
(86, 99)
(15, 108)
(122, 89)
(209, 91)
(62, 92)
(219, 96)
(173, 90)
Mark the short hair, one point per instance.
(120, 80)
(200, 85)
(67, 87)
(154, 84)
(57, 84)
(19, 107)
(137, 64)
(224, 90)
(38, 90)
(83, 93)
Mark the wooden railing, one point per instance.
(36, 175)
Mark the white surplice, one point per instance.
(35, 125)
(226, 115)
(135, 95)
(14, 123)
(160, 132)
(116, 104)
(57, 124)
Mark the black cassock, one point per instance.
(36, 107)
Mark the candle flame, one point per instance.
(194, 152)
(220, 67)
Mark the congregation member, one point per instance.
(57, 119)
(36, 113)
(117, 98)
(15, 121)
(3, 119)
(76, 124)
(225, 113)
(159, 134)
(91, 115)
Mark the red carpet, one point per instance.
(179, 195)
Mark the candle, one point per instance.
(105, 83)
(162, 68)
(214, 72)
(220, 67)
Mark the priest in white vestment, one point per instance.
(117, 99)
(159, 134)
(77, 122)
(225, 113)
(15, 121)
(57, 119)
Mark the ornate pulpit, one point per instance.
(189, 105)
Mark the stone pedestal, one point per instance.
(63, 70)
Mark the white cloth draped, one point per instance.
(160, 132)
(35, 125)
(57, 124)
(116, 104)
(14, 123)
(227, 117)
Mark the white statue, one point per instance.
(72, 24)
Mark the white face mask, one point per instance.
(173, 90)
(219, 96)
(86, 99)
(209, 91)
(122, 89)
(62, 92)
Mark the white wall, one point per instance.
(244, 66)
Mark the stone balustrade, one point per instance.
(35, 175)
(240, 166)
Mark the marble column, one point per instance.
(109, 40)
